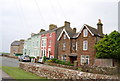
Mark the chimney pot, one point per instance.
(52, 26)
(99, 27)
(67, 24)
(74, 29)
(42, 30)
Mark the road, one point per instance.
(5, 61)
(9, 62)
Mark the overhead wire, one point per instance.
(40, 13)
(22, 13)
(53, 9)
(64, 15)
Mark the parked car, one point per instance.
(25, 58)
(40, 60)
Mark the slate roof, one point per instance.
(15, 43)
(94, 31)
(70, 31)
(48, 31)
(75, 35)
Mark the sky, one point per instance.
(20, 18)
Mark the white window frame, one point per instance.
(76, 45)
(50, 34)
(65, 36)
(64, 46)
(85, 45)
(73, 46)
(84, 59)
(44, 52)
(87, 58)
(44, 42)
(85, 33)
(64, 57)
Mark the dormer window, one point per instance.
(85, 33)
(64, 36)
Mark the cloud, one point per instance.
(22, 17)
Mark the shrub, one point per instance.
(63, 62)
(58, 61)
(32, 57)
(68, 63)
(53, 60)
(44, 58)
(49, 61)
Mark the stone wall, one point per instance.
(60, 65)
(100, 70)
(52, 72)
(103, 62)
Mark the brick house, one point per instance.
(65, 43)
(16, 48)
(79, 46)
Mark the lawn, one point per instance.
(17, 73)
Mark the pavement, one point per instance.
(4, 75)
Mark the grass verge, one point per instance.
(17, 73)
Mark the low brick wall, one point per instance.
(100, 70)
(52, 72)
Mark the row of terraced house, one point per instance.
(65, 43)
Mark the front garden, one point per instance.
(59, 63)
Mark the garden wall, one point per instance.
(100, 70)
(53, 72)
(104, 62)
(60, 65)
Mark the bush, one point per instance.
(49, 61)
(63, 62)
(58, 61)
(32, 57)
(68, 63)
(53, 60)
(44, 58)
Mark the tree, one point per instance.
(109, 46)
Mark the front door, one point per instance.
(73, 58)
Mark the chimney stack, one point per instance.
(42, 30)
(99, 27)
(67, 24)
(52, 26)
(74, 29)
(22, 40)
